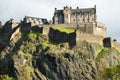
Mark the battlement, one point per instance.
(97, 29)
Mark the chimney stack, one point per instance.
(77, 7)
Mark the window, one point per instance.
(80, 13)
(90, 13)
(66, 16)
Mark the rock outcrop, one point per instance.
(29, 55)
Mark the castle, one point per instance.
(82, 21)
(69, 15)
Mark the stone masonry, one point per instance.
(69, 15)
(83, 21)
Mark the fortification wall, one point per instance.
(116, 45)
(61, 37)
(46, 30)
(88, 38)
(108, 42)
(28, 26)
(97, 29)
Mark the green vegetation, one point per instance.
(24, 54)
(98, 48)
(5, 77)
(62, 29)
(102, 53)
(32, 35)
(112, 73)
(1, 27)
(49, 44)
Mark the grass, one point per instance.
(32, 35)
(98, 48)
(1, 27)
(49, 44)
(6, 77)
(102, 53)
(112, 73)
(24, 54)
(62, 29)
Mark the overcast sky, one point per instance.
(107, 11)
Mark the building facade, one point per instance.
(28, 19)
(69, 15)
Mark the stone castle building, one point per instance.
(29, 19)
(69, 15)
(84, 20)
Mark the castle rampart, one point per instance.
(97, 29)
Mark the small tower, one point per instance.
(67, 14)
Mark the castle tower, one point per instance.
(78, 15)
(67, 14)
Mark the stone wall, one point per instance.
(46, 30)
(88, 38)
(107, 42)
(116, 45)
(61, 37)
(69, 15)
(30, 26)
(97, 28)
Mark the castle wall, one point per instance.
(74, 15)
(116, 45)
(46, 30)
(61, 37)
(100, 29)
(108, 42)
(97, 29)
(88, 38)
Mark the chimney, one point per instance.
(55, 8)
(95, 6)
(77, 7)
(70, 7)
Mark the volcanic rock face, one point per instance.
(30, 56)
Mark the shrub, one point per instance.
(5, 77)
(1, 27)
(102, 53)
(112, 73)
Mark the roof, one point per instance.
(82, 10)
(75, 10)
(33, 17)
(58, 11)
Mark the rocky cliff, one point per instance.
(31, 56)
